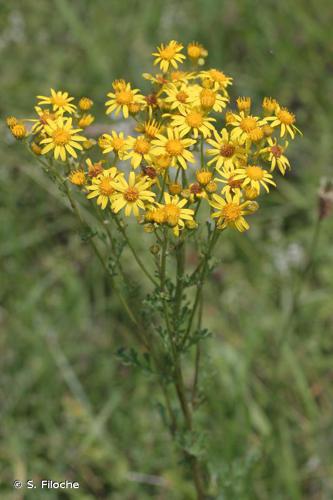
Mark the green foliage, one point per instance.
(69, 408)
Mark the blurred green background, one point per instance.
(69, 409)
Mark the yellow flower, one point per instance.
(43, 116)
(59, 100)
(203, 176)
(175, 147)
(94, 169)
(231, 185)
(244, 124)
(11, 121)
(122, 99)
(86, 120)
(178, 98)
(217, 77)
(175, 213)
(62, 138)
(226, 151)
(285, 119)
(269, 105)
(139, 150)
(150, 128)
(132, 195)
(193, 121)
(255, 177)
(85, 103)
(102, 187)
(197, 53)
(169, 54)
(19, 131)
(77, 177)
(275, 155)
(244, 104)
(114, 142)
(179, 76)
(230, 211)
(208, 99)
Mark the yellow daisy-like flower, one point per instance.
(244, 104)
(139, 149)
(86, 120)
(230, 211)
(269, 105)
(114, 142)
(208, 99)
(150, 128)
(132, 195)
(231, 185)
(193, 121)
(174, 146)
(178, 98)
(77, 177)
(275, 155)
(197, 53)
(85, 103)
(169, 54)
(245, 124)
(43, 116)
(62, 138)
(123, 99)
(102, 187)
(60, 101)
(254, 176)
(218, 78)
(226, 152)
(286, 120)
(175, 215)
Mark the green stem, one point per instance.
(134, 252)
(213, 240)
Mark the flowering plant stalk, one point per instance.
(192, 168)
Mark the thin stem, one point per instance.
(213, 240)
(134, 252)
(197, 356)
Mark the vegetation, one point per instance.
(70, 409)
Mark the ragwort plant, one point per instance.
(192, 168)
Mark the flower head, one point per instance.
(230, 211)
(255, 177)
(169, 54)
(60, 101)
(132, 195)
(62, 138)
(102, 187)
(193, 121)
(174, 146)
(113, 142)
(122, 99)
(226, 151)
(284, 119)
(138, 149)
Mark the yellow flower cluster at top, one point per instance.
(189, 149)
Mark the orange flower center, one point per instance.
(61, 137)
(141, 146)
(286, 117)
(194, 119)
(227, 150)
(174, 147)
(181, 96)
(247, 124)
(218, 76)
(117, 143)
(131, 194)
(231, 212)
(255, 173)
(167, 53)
(276, 151)
(124, 97)
(105, 187)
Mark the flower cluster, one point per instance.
(189, 149)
